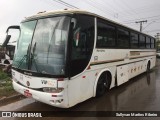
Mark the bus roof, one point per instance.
(73, 11)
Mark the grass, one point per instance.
(6, 88)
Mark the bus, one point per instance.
(65, 57)
(7, 49)
(6, 54)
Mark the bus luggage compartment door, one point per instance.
(122, 74)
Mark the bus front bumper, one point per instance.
(58, 100)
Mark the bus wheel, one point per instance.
(103, 84)
(148, 66)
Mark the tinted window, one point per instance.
(148, 42)
(123, 38)
(106, 35)
(82, 43)
(134, 40)
(142, 42)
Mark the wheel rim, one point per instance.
(102, 86)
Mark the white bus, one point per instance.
(65, 57)
(7, 48)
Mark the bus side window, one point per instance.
(106, 35)
(82, 43)
(79, 44)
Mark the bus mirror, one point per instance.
(13, 27)
(6, 40)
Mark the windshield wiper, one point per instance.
(32, 58)
(24, 57)
(27, 56)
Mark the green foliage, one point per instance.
(6, 88)
(3, 75)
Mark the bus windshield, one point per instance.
(42, 46)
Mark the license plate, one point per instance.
(27, 93)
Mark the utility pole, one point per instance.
(157, 41)
(143, 21)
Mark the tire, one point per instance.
(103, 84)
(148, 67)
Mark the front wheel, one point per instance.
(103, 84)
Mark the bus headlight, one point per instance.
(52, 90)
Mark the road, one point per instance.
(141, 93)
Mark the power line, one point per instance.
(110, 10)
(151, 20)
(142, 9)
(131, 21)
(49, 3)
(98, 7)
(148, 25)
(66, 4)
(61, 3)
(154, 30)
(122, 5)
(138, 13)
(69, 4)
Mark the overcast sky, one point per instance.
(12, 12)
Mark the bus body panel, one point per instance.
(35, 82)
(122, 75)
(43, 97)
(129, 61)
(80, 88)
(20, 84)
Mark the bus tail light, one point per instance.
(52, 90)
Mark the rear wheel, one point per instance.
(103, 84)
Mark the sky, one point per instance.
(126, 12)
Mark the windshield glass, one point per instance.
(20, 58)
(48, 47)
